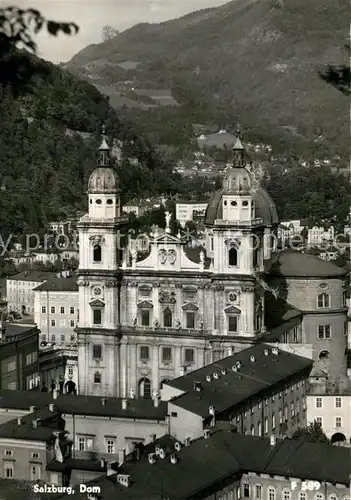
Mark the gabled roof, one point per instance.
(259, 370)
(59, 285)
(203, 467)
(49, 421)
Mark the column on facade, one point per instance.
(133, 301)
(178, 305)
(132, 368)
(155, 369)
(121, 365)
(249, 308)
(177, 360)
(267, 243)
(156, 310)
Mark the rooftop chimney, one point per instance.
(207, 433)
(32, 409)
(103, 401)
(230, 351)
(35, 423)
(173, 458)
(121, 456)
(273, 440)
(54, 394)
(102, 463)
(156, 400)
(124, 404)
(197, 386)
(19, 421)
(123, 479)
(51, 407)
(109, 470)
(187, 441)
(152, 438)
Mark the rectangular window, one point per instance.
(338, 402)
(232, 324)
(97, 351)
(8, 471)
(97, 378)
(246, 489)
(8, 453)
(43, 310)
(53, 322)
(323, 300)
(35, 472)
(110, 445)
(144, 353)
(62, 310)
(319, 421)
(273, 421)
(258, 492)
(53, 309)
(319, 403)
(166, 354)
(189, 355)
(97, 316)
(190, 320)
(85, 443)
(292, 409)
(324, 332)
(338, 422)
(62, 338)
(145, 317)
(71, 310)
(53, 338)
(71, 323)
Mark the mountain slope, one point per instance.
(48, 140)
(248, 59)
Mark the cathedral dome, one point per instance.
(103, 180)
(265, 207)
(237, 181)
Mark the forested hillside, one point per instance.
(44, 169)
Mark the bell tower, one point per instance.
(98, 281)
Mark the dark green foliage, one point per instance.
(311, 434)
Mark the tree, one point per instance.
(108, 33)
(313, 433)
(339, 76)
(16, 28)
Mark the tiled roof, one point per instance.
(291, 264)
(112, 407)
(205, 464)
(13, 489)
(14, 330)
(258, 371)
(59, 285)
(48, 422)
(76, 464)
(84, 405)
(35, 276)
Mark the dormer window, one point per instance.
(233, 257)
(97, 253)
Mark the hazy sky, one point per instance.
(92, 15)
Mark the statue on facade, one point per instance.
(202, 257)
(131, 393)
(156, 323)
(200, 324)
(168, 217)
(134, 322)
(178, 324)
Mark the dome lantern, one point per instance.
(104, 154)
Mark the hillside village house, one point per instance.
(186, 211)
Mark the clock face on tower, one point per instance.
(97, 291)
(232, 296)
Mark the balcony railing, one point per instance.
(239, 223)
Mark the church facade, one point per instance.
(143, 322)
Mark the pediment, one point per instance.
(145, 304)
(190, 307)
(97, 303)
(232, 310)
(166, 238)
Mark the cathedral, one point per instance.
(145, 321)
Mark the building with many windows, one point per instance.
(56, 310)
(19, 357)
(19, 290)
(188, 211)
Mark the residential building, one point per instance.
(318, 235)
(310, 297)
(19, 357)
(259, 391)
(19, 290)
(56, 310)
(224, 465)
(220, 140)
(138, 208)
(188, 211)
(59, 368)
(329, 403)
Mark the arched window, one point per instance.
(259, 428)
(323, 355)
(252, 430)
(323, 300)
(319, 496)
(286, 495)
(164, 381)
(167, 317)
(271, 493)
(333, 497)
(233, 256)
(97, 253)
(302, 495)
(144, 388)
